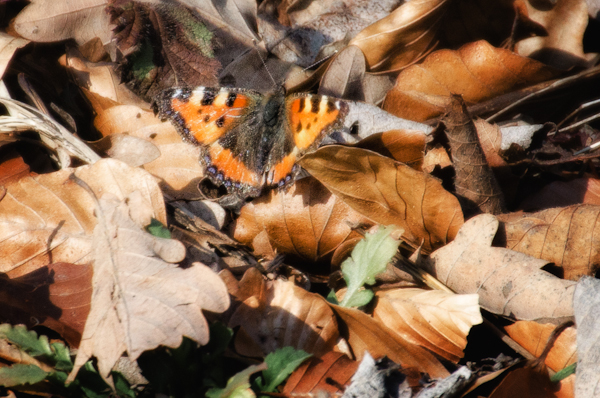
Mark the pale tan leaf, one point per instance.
(47, 20)
(508, 282)
(437, 320)
(566, 22)
(140, 299)
(282, 314)
(8, 46)
(344, 75)
(48, 218)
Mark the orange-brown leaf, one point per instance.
(368, 334)
(566, 236)
(307, 221)
(388, 192)
(477, 71)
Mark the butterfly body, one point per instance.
(250, 140)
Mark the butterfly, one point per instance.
(248, 140)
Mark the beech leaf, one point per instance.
(140, 301)
(369, 258)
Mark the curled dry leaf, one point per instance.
(141, 300)
(49, 218)
(565, 23)
(280, 314)
(533, 336)
(47, 20)
(344, 75)
(307, 221)
(565, 236)
(437, 320)
(402, 37)
(366, 334)
(388, 192)
(509, 283)
(477, 71)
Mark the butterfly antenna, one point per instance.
(313, 65)
(264, 63)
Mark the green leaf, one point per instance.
(238, 386)
(19, 374)
(564, 373)
(61, 357)
(369, 258)
(332, 298)
(26, 340)
(281, 364)
(156, 228)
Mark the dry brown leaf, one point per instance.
(508, 282)
(405, 146)
(565, 21)
(562, 194)
(314, 375)
(534, 336)
(368, 334)
(437, 320)
(388, 192)
(532, 380)
(280, 314)
(56, 296)
(477, 71)
(307, 221)
(141, 300)
(101, 82)
(402, 37)
(475, 183)
(47, 20)
(344, 75)
(178, 166)
(565, 236)
(8, 46)
(128, 149)
(48, 218)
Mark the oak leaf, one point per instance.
(141, 300)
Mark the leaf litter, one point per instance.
(79, 264)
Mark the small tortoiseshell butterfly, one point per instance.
(250, 140)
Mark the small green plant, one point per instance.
(368, 259)
(55, 365)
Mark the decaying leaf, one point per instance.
(163, 46)
(388, 192)
(508, 282)
(584, 190)
(565, 236)
(477, 71)
(307, 221)
(475, 183)
(434, 319)
(8, 46)
(586, 303)
(141, 300)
